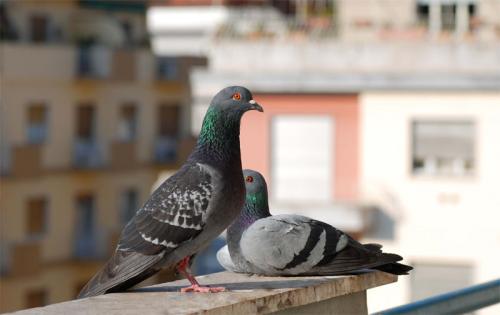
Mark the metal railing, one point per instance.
(456, 302)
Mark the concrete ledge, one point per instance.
(247, 295)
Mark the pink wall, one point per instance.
(256, 134)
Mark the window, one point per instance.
(84, 65)
(36, 298)
(37, 124)
(127, 124)
(444, 278)
(127, 31)
(167, 68)
(85, 208)
(87, 153)
(423, 14)
(443, 147)
(85, 232)
(39, 25)
(85, 122)
(36, 217)
(447, 15)
(7, 29)
(168, 131)
(129, 205)
(168, 120)
(93, 62)
(302, 158)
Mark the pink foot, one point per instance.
(197, 288)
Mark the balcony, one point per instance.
(37, 133)
(87, 154)
(20, 259)
(90, 246)
(25, 160)
(123, 66)
(123, 155)
(165, 150)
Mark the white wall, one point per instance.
(430, 227)
(302, 158)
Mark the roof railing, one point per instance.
(456, 302)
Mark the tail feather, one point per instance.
(356, 257)
(395, 268)
(122, 271)
(373, 247)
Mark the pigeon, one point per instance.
(288, 245)
(189, 209)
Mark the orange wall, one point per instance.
(256, 134)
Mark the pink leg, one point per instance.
(183, 268)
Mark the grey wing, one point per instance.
(356, 256)
(289, 244)
(174, 214)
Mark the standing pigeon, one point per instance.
(294, 245)
(189, 209)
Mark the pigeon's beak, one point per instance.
(254, 106)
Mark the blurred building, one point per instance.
(429, 163)
(380, 117)
(89, 118)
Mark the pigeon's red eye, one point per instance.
(236, 96)
(249, 179)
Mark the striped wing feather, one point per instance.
(174, 214)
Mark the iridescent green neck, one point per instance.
(208, 131)
(258, 201)
(219, 140)
(218, 130)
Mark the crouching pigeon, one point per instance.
(189, 209)
(290, 244)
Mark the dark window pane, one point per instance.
(85, 121)
(85, 208)
(39, 25)
(37, 123)
(84, 61)
(168, 120)
(86, 244)
(36, 216)
(130, 204)
(127, 124)
(423, 14)
(448, 16)
(167, 68)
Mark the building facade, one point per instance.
(89, 118)
(433, 157)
